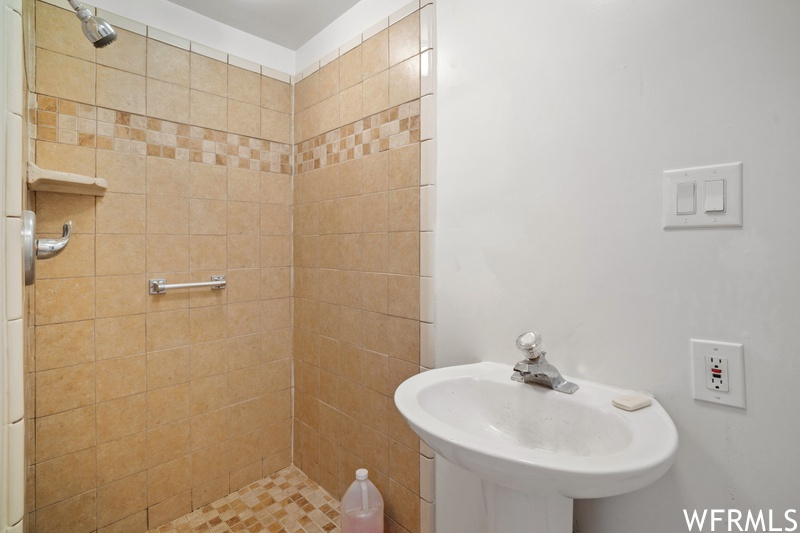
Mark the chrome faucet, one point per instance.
(535, 368)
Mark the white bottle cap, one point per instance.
(362, 474)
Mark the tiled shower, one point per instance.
(309, 193)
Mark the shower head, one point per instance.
(99, 32)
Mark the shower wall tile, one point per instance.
(168, 63)
(57, 31)
(167, 101)
(404, 39)
(209, 75)
(129, 52)
(79, 86)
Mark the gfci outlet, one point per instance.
(718, 372)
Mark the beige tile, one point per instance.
(350, 105)
(120, 254)
(121, 417)
(121, 213)
(399, 371)
(209, 492)
(167, 215)
(306, 92)
(329, 80)
(79, 86)
(65, 477)
(276, 283)
(76, 260)
(244, 476)
(243, 184)
(129, 53)
(209, 428)
(375, 93)
(404, 39)
(168, 442)
(209, 111)
(276, 220)
(130, 524)
(209, 463)
(404, 209)
(276, 251)
(243, 385)
(80, 512)
(208, 393)
(170, 509)
(350, 71)
(276, 126)
(240, 252)
(404, 253)
(168, 480)
(243, 318)
(246, 417)
(167, 63)
(276, 95)
(241, 285)
(64, 300)
(167, 329)
(405, 506)
(168, 177)
(121, 499)
(117, 89)
(207, 323)
(64, 433)
(244, 85)
(404, 296)
(209, 75)
(66, 158)
(168, 367)
(376, 448)
(404, 166)
(243, 218)
(208, 181)
(375, 54)
(121, 458)
(208, 359)
(276, 314)
(375, 248)
(167, 405)
(376, 172)
(61, 345)
(53, 209)
(120, 295)
(375, 213)
(244, 118)
(208, 217)
(375, 292)
(245, 450)
(120, 377)
(125, 173)
(119, 336)
(404, 82)
(329, 114)
(167, 101)
(57, 31)
(167, 253)
(207, 252)
(276, 188)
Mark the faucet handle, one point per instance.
(530, 343)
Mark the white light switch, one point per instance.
(715, 196)
(703, 197)
(685, 196)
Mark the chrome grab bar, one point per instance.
(160, 286)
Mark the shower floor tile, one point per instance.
(285, 502)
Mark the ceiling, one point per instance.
(289, 23)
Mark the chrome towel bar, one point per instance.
(160, 286)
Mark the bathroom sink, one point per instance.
(528, 439)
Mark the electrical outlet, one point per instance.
(718, 372)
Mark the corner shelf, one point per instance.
(40, 179)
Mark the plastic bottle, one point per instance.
(362, 506)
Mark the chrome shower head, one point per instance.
(99, 32)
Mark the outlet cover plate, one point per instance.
(730, 173)
(734, 354)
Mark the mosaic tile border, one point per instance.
(392, 128)
(67, 122)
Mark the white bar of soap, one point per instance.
(632, 403)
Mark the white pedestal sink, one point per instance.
(536, 449)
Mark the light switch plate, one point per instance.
(731, 173)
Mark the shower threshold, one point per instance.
(285, 502)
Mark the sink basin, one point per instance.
(535, 446)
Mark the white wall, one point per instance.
(555, 121)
